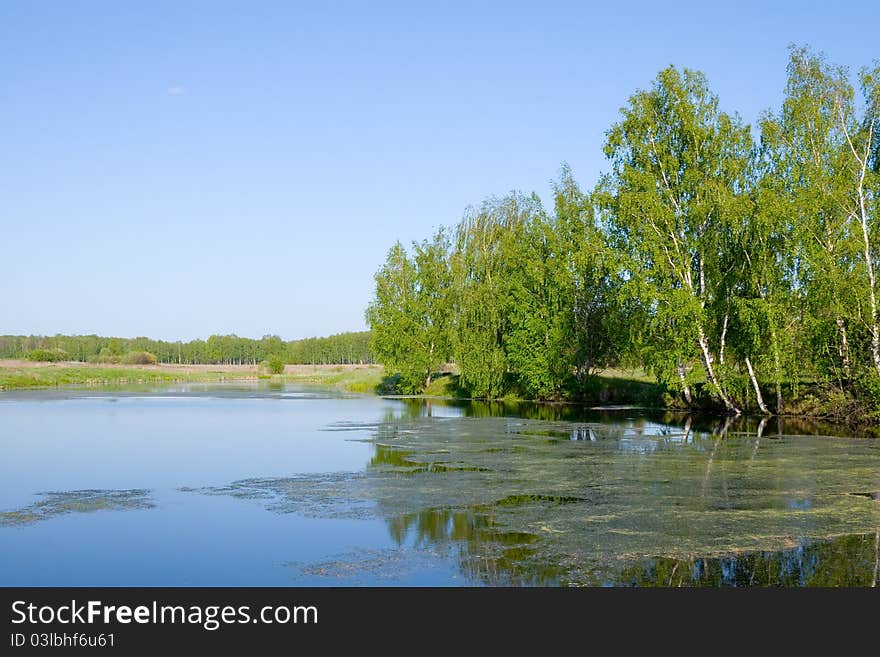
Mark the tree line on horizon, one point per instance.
(342, 348)
(736, 264)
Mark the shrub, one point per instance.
(47, 355)
(104, 356)
(275, 364)
(139, 358)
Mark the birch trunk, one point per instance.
(863, 161)
(685, 388)
(757, 388)
(872, 283)
(710, 373)
(723, 339)
(843, 349)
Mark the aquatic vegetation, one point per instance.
(58, 503)
(323, 495)
(616, 502)
(371, 566)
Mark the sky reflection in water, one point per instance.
(252, 485)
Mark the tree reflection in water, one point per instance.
(788, 497)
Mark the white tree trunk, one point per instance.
(710, 372)
(757, 388)
(685, 388)
(723, 339)
(863, 160)
(872, 284)
(843, 349)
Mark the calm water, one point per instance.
(259, 485)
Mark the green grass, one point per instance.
(628, 375)
(611, 386)
(47, 377)
(365, 379)
(359, 379)
(443, 386)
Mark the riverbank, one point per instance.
(17, 374)
(611, 388)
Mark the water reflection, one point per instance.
(652, 499)
(791, 426)
(842, 561)
(491, 556)
(561, 495)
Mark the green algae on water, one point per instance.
(636, 500)
(58, 503)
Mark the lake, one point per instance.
(260, 484)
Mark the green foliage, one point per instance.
(486, 268)
(139, 358)
(104, 356)
(737, 272)
(499, 302)
(411, 312)
(672, 202)
(47, 355)
(344, 348)
(275, 364)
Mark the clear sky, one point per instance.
(177, 169)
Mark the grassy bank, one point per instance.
(611, 387)
(352, 378)
(813, 401)
(16, 374)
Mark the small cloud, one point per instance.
(176, 91)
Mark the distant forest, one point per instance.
(736, 263)
(218, 349)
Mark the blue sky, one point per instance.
(177, 169)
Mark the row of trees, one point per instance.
(218, 349)
(728, 260)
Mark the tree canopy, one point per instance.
(734, 262)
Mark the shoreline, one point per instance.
(354, 378)
(22, 375)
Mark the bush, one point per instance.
(104, 356)
(139, 358)
(275, 364)
(47, 355)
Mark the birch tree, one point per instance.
(823, 155)
(676, 164)
(566, 322)
(861, 138)
(411, 312)
(488, 243)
